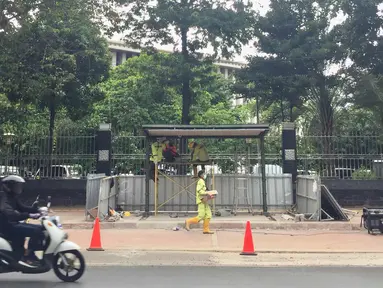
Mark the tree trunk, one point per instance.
(52, 116)
(186, 93)
(258, 104)
(282, 110)
(326, 116)
(186, 96)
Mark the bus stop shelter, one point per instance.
(247, 131)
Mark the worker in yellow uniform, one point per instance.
(156, 155)
(198, 154)
(204, 211)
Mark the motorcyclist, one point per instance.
(12, 211)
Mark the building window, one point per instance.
(118, 58)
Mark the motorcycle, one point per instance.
(56, 250)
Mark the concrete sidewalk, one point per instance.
(75, 220)
(232, 241)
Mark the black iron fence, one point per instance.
(74, 156)
(65, 156)
(353, 156)
(229, 155)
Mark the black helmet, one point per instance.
(200, 173)
(13, 184)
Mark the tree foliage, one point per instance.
(55, 60)
(198, 24)
(299, 45)
(15, 13)
(360, 35)
(146, 89)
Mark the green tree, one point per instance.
(199, 24)
(367, 94)
(142, 90)
(14, 14)
(296, 37)
(146, 89)
(360, 34)
(275, 85)
(55, 61)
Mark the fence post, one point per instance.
(104, 149)
(289, 154)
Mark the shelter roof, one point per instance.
(206, 131)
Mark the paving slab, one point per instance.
(232, 241)
(75, 219)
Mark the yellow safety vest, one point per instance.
(199, 153)
(200, 190)
(157, 149)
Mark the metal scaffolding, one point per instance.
(183, 187)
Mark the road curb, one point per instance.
(144, 224)
(225, 251)
(241, 265)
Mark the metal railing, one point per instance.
(101, 196)
(107, 197)
(93, 185)
(352, 156)
(309, 196)
(64, 156)
(343, 156)
(128, 154)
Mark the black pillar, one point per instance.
(289, 153)
(147, 176)
(104, 150)
(263, 172)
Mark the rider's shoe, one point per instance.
(30, 261)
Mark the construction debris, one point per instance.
(331, 210)
(287, 217)
(299, 217)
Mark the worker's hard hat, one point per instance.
(161, 139)
(191, 144)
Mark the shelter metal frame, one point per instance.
(257, 131)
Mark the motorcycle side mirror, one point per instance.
(36, 203)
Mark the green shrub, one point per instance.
(363, 174)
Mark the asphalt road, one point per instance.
(201, 277)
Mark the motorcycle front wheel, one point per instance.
(67, 262)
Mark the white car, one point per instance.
(57, 171)
(9, 170)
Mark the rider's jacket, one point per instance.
(12, 210)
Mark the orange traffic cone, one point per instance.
(95, 243)
(248, 245)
